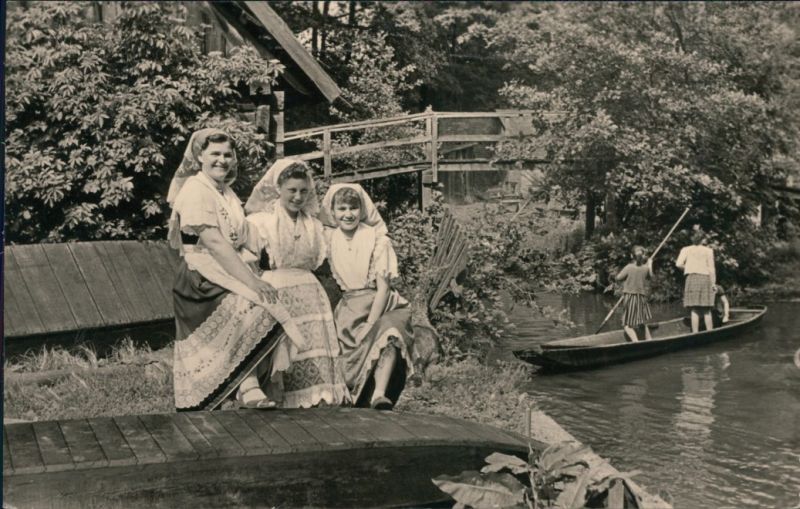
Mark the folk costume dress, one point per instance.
(221, 325)
(305, 368)
(355, 264)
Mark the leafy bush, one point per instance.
(559, 477)
(98, 116)
(471, 317)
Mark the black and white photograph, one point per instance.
(408, 254)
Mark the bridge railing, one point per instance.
(439, 128)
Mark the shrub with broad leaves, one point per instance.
(98, 116)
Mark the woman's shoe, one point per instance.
(262, 404)
(382, 403)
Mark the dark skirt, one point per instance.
(194, 299)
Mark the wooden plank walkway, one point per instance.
(332, 457)
(59, 288)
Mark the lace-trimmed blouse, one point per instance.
(200, 204)
(357, 262)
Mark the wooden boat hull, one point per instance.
(334, 457)
(611, 348)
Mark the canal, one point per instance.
(717, 426)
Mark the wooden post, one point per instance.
(326, 153)
(420, 190)
(434, 147)
(616, 495)
(262, 119)
(426, 194)
(276, 125)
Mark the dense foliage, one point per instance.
(649, 109)
(98, 115)
(501, 268)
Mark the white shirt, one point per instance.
(697, 260)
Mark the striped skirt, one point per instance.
(697, 291)
(635, 309)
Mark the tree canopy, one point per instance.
(97, 117)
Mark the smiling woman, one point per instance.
(224, 307)
(373, 320)
(305, 370)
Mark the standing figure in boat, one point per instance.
(635, 291)
(697, 262)
(305, 369)
(221, 306)
(373, 320)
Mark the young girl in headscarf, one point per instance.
(373, 320)
(306, 369)
(223, 311)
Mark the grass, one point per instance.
(132, 390)
(142, 383)
(473, 391)
(465, 389)
(83, 356)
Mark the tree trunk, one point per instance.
(591, 205)
(325, 8)
(611, 215)
(314, 30)
(351, 22)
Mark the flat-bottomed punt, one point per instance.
(611, 347)
(328, 457)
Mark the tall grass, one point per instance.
(82, 356)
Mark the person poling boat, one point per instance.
(686, 211)
(635, 292)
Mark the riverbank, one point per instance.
(55, 383)
(783, 284)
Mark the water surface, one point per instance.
(710, 427)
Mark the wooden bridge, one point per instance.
(429, 144)
(441, 137)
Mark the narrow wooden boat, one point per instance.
(323, 457)
(611, 347)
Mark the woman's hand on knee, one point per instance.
(264, 290)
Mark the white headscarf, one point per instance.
(191, 165)
(291, 243)
(266, 193)
(369, 212)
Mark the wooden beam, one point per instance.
(350, 126)
(471, 138)
(317, 154)
(237, 35)
(326, 151)
(277, 124)
(281, 32)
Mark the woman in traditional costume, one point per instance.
(224, 312)
(283, 208)
(373, 320)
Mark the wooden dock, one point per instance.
(335, 457)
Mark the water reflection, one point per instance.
(715, 426)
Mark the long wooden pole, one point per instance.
(610, 313)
